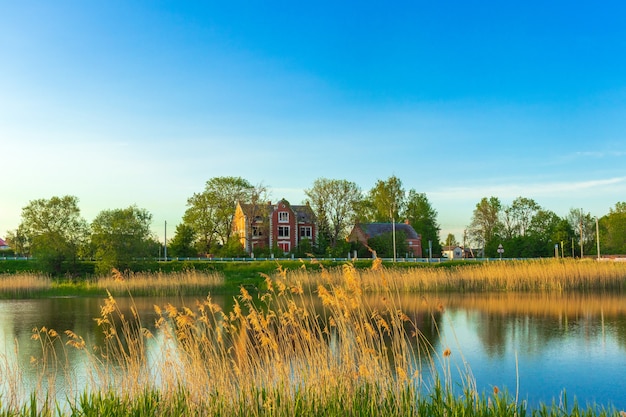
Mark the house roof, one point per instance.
(3, 243)
(376, 229)
(304, 213)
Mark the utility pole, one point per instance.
(165, 241)
(598, 236)
(393, 228)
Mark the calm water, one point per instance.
(536, 345)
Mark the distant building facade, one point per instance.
(270, 225)
(453, 252)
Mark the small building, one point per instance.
(270, 225)
(363, 232)
(453, 252)
(3, 244)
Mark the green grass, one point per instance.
(367, 401)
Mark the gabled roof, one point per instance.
(377, 229)
(3, 243)
(249, 209)
(304, 213)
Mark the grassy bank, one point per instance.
(274, 354)
(199, 278)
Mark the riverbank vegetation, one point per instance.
(272, 354)
(227, 277)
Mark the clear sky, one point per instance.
(141, 102)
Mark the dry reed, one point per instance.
(23, 284)
(270, 353)
(159, 283)
(526, 275)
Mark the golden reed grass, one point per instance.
(23, 284)
(526, 275)
(158, 283)
(277, 349)
(268, 351)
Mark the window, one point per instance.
(283, 216)
(257, 231)
(283, 231)
(306, 232)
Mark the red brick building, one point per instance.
(280, 225)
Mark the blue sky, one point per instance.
(141, 102)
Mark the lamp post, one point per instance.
(393, 228)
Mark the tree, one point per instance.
(210, 213)
(486, 224)
(182, 244)
(257, 210)
(423, 218)
(584, 227)
(451, 240)
(334, 203)
(613, 230)
(119, 236)
(383, 244)
(54, 232)
(387, 200)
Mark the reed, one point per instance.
(159, 283)
(272, 355)
(23, 285)
(520, 276)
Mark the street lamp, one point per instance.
(500, 250)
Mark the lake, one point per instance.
(536, 346)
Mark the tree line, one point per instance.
(54, 232)
(525, 229)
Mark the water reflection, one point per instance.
(537, 344)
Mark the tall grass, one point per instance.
(272, 355)
(526, 275)
(188, 282)
(159, 283)
(23, 285)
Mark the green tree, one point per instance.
(613, 230)
(423, 218)
(182, 244)
(119, 236)
(485, 225)
(54, 231)
(383, 244)
(210, 213)
(334, 203)
(584, 227)
(517, 217)
(450, 241)
(386, 199)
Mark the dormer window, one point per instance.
(283, 217)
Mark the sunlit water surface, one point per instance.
(534, 346)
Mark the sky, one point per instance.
(125, 103)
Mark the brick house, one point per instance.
(270, 225)
(362, 232)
